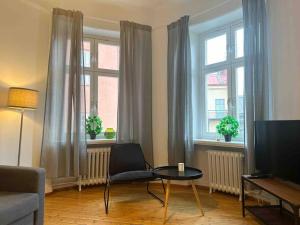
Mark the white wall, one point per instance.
(200, 12)
(24, 44)
(160, 98)
(24, 39)
(285, 48)
(24, 50)
(285, 67)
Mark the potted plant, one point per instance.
(110, 133)
(228, 127)
(93, 126)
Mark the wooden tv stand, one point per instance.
(273, 214)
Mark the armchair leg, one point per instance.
(106, 196)
(153, 195)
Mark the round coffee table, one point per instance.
(171, 173)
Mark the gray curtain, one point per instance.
(135, 87)
(180, 121)
(257, 80)
(64, 143)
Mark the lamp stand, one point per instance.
(20, 138)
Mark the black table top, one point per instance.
(172, 173)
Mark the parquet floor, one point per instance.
(130, 204)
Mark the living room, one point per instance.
(189, 95)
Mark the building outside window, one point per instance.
(222, 76)
(220, 108)
(101, 69)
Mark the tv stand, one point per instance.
(273, 214)
(260, 175)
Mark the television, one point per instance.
(277, 149)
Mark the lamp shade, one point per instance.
(22, 98)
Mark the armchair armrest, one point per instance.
(26, 180)
(22, 179)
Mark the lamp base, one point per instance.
(20, 137)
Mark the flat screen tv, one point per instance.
(277, 149)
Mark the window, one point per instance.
(222, 71)
(101, 69)
(220, 108)
(215, 49)
(216, 90)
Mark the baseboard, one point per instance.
(65, 182)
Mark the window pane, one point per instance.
(239, 43)
(87, 53)
(216, 98)
(240, 98)
(87, 80)
(108, 56)
(216, 50)
(108, 101)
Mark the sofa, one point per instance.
(22, 192)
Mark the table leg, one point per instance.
(243, 197)
(296, 215)
(167, 200)
(197, 198)
(280, 205)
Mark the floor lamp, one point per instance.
(22, 99)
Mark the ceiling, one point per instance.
(220, 20)
(148, 4)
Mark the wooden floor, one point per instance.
(130, 204)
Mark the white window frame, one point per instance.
(94, 71)
(231, 64)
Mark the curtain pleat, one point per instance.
(64, 140)
(135, 87)
(257, 79)
(180, 119)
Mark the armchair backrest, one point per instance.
(126, 157)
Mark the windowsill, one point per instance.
(100, 141)
(209, 142)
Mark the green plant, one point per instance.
(93, 125)
(228, 126)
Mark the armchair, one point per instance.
(127, 164)
(21, 195)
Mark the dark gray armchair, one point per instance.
(22, 192)
(127, 164)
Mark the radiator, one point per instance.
(225, 170)
(97, 166)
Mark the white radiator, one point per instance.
(225, 170)
(97, 166)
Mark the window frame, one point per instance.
(93, 71)
(231, 64)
